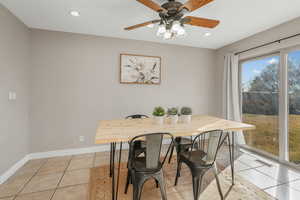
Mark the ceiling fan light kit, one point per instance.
(172, 20)
(169, 31)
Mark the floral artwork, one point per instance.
(137, 69)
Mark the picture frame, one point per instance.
(140, 69)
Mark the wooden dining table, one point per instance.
(123, 130)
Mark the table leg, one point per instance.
(115, 185)
(113, 170)
(119, 167)
(110, 162)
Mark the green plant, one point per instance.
(186, 111)
(172, 111)
(158, 111)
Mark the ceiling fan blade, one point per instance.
(142, 24)
(152, 5)
(192, 5)
(198, 21)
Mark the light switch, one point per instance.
(12, 96)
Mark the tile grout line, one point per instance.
(262, 165)
(28, 193)
(39, 169)
(279, 181)
(248, 169)
(30, 179)
(64, 172)
(281, 184)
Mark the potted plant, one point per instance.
(186, 114)
(159, 113)
(173, 114)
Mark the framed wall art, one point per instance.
(140, 69)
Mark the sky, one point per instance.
(252, 68)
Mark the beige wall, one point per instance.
(14, 76)
(278, 32)
(75, 83)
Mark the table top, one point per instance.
(123, 130)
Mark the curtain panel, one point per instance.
(232, 93)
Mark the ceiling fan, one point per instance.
(172, 19)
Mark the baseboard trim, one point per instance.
(68, 152)
(57, 153)
(64, 152)
(11, 171)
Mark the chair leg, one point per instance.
(160, 180)
(127, 181)
(171, 153)
(138, 183)
(178, 171)
(231, 157)
(215, 171)
(197, 182)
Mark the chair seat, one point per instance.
(195, 159)
(139, 165)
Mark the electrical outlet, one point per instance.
(81, 138)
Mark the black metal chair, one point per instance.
(139, 144)
(143, 168)
(200, 158)
(181, 144)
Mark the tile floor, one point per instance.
(278, 180)
(66, 178)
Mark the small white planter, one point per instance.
(186, 118)
(159, 120)
(174, 119)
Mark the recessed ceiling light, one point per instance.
(75, 13)
(207, 34)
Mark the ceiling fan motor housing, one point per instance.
(172, 13)
(172, 7)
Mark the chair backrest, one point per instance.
(154, 157)
(209, 143)
(137, 116)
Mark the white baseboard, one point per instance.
(11, 171)
(68, 152)
(65, 152)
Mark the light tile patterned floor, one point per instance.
(66, 178)
(276, 179)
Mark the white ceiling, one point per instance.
(239, 18)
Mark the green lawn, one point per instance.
(265, 136)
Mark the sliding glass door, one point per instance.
(270, 93)
(293, 66)
(260, 97)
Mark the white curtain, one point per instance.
(231, 93)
